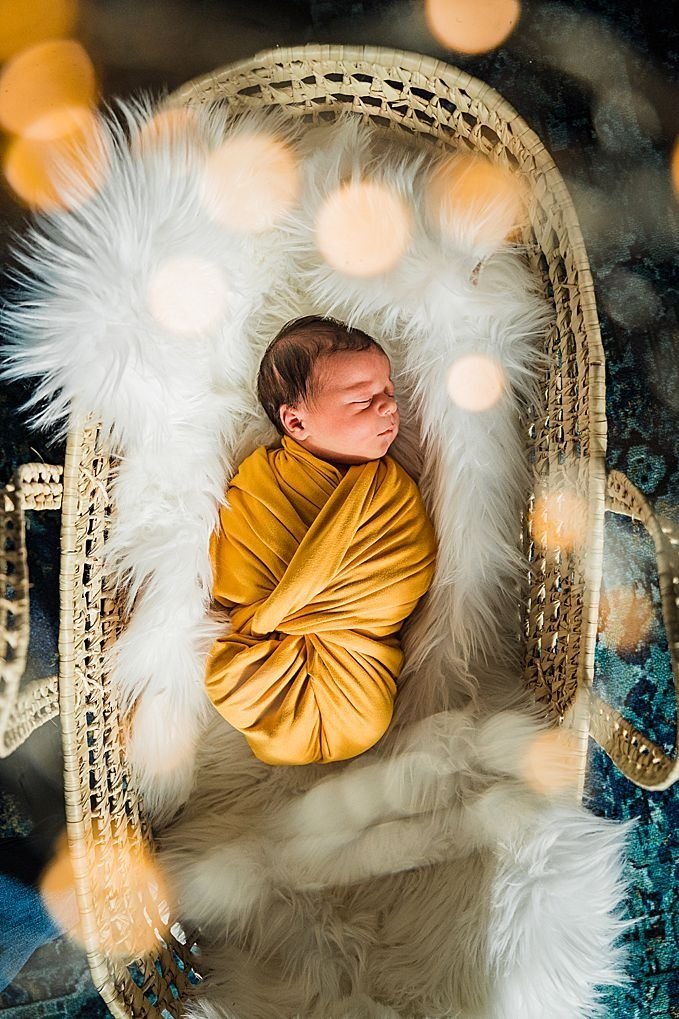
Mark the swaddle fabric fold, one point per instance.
(319, 565)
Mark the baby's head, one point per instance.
(329, 388)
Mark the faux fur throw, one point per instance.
(438, 874)
(449, 879)
(319, 565)
(106, 320)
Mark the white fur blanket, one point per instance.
(430, 877)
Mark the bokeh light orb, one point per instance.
(40, 81)
(560, 519)
(187, 294)
(250, 181)
(553, 762)
(631, 299)
(168, 129)
(468, 189)
(26, 22)
(57, 890)
(471, 26)
(475, 382)
(626, 617)
(62, 170)
(62, 122)
(123, 872)
(363, 228)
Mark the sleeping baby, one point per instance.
(324, 549)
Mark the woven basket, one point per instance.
(403, 92)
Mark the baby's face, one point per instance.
(355, 417)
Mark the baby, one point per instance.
(347, 411)
(323, 549)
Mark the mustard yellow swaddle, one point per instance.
(319, 565)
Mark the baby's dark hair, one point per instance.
(286, 373)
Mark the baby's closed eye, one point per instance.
(392, 396)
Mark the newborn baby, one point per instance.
(323, 549)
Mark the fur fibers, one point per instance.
(427, 878)
(433, 882)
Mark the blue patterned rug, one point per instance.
(598, 82)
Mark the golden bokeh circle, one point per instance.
(41, 80)
(59, 172)
(250, 182)
(472, 26)
(24, 23)
(475, 382)
(363, 228)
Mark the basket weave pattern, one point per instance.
(109, 835)
(34, 486)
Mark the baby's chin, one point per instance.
(383, 443)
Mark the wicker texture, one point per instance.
(565, 443)
(639, 758)
(108, 834)
(34, 486)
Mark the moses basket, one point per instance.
(438, 105)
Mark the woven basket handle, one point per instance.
(22, 709)
(639, 758)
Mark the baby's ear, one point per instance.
(290, 418)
